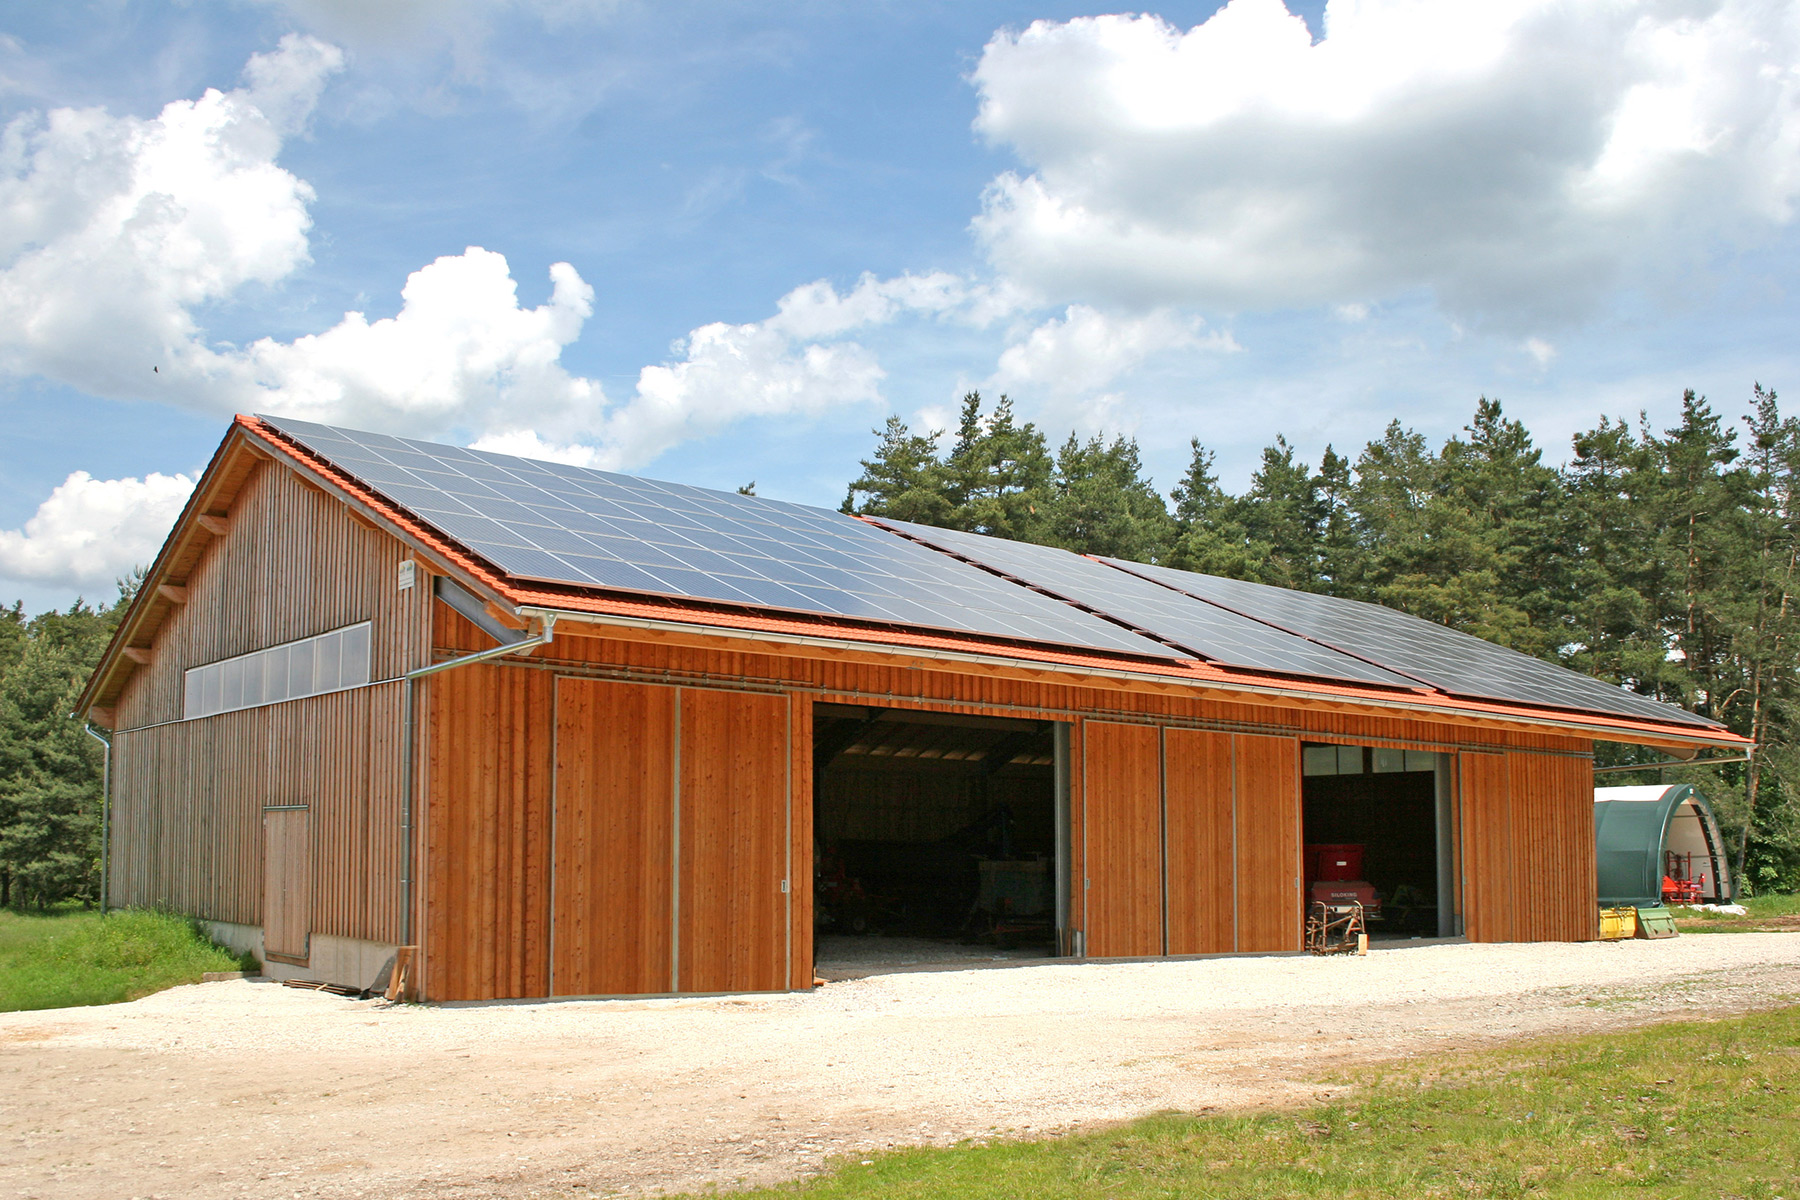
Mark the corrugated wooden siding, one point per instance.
(1267, 775)
(615, 838)
(1197, 816)
(1123, 831)
(287, 883)
(188, 799)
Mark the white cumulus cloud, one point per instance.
(727, 372)
(1519, 158)
(114, 229)
(90, 532)
(461, 353)
(1085, 349)
(1065, 364)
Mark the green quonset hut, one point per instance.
(1638, 829)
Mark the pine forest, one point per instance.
(1662, 560)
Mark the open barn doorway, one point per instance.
(1378, 828)
(938, 837)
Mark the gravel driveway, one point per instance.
(247, 1088)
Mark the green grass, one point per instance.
(62, 959)
(1765, 913)
(1701, 1109)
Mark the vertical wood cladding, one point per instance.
(487, 918)
(800, 842)
(1267, 774)
(293, 563)
(1123, 831)
(188, 796)
(1489, 882)
(615, 838)
(670, 845)
(733, 801)
(1198, 788)
(1528, 848)
(188, 800)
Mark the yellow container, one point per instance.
(1617, 924)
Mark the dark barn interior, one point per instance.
(933, 825)
(1370, 817)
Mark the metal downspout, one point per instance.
(105, 813)
(409, 724)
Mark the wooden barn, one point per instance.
(572, 733)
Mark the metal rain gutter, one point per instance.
(1675, 762)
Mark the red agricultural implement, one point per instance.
(1680, 885)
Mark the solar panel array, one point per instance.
(1451, 661)
(573, 525)
(1208, 631)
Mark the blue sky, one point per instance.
(771, 226)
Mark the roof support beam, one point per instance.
(1001, 753)
(172, 593)
(137, 654)
(217, 526)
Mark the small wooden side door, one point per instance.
(287, 884)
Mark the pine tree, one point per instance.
(998, 473)
(1395, 483)
(1102, 504)
(1611, 629)
(1208, 537)
(904, 480)
(1283, 519)
(1761, 613)
(49, 768)
(1698, 497)
(1338, 549)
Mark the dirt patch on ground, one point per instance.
(244, 1088)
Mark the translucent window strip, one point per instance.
(329, 662)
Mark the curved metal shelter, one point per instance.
(1637, 829)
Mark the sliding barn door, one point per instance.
(1485, 790)
(1269, 909)
(1123, 827)
(732, 799)
(1198, 820)
(613, 905)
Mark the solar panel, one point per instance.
(1455, 662)
(571, 525)
(1210, 632)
